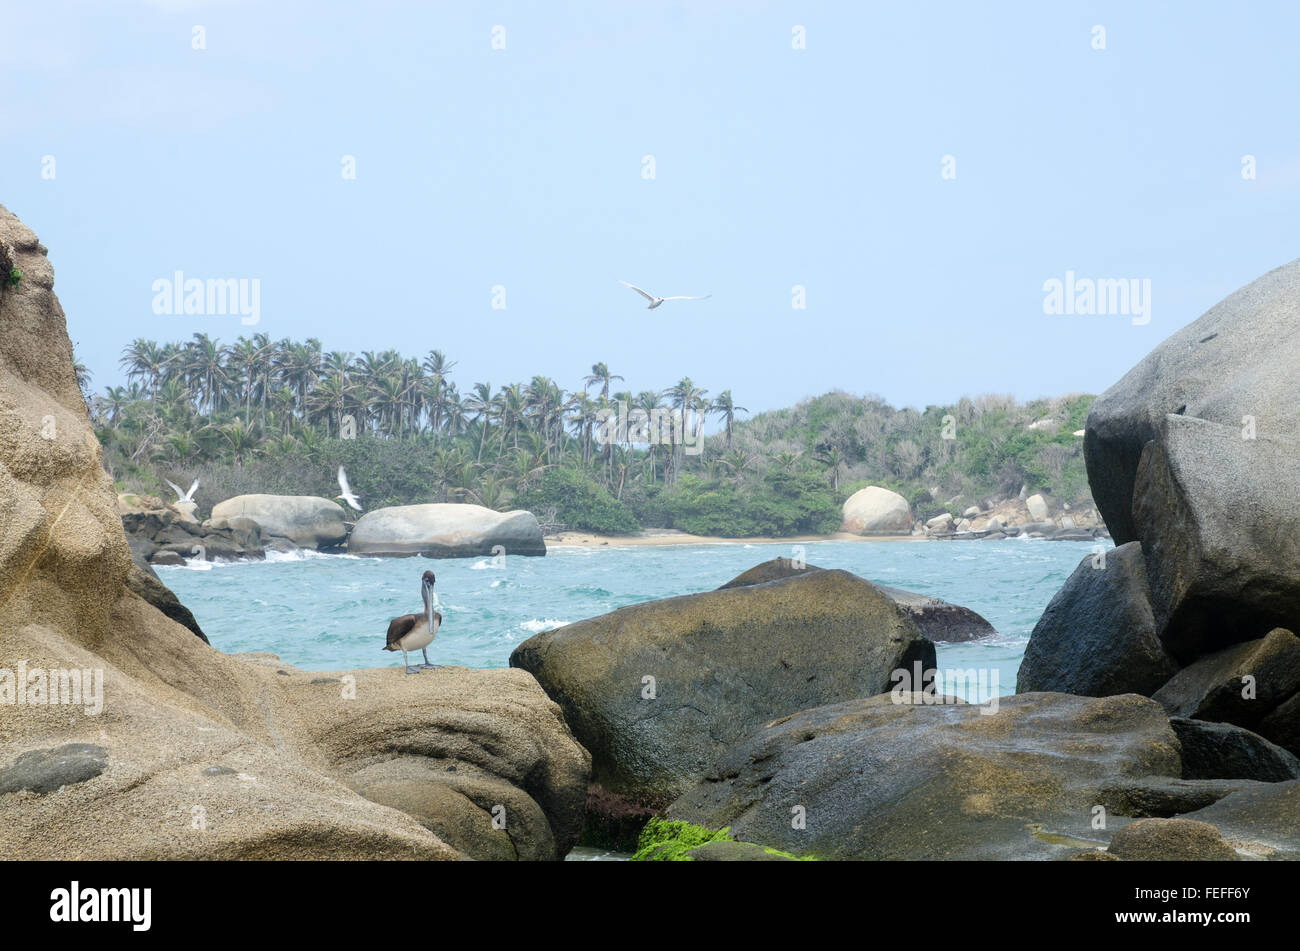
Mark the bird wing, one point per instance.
(343, 482)
(189, 496)
(399, 627)
(180, 494)
(648, 297)
(705, 297)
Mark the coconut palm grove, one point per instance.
(279, 416)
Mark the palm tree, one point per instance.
(600, 374)
(203, 365)
(834, 460)
(724, 406)
(241, 439)
(687, 399)
(143, 359)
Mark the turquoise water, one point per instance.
(330, 612)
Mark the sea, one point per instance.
(331, 612)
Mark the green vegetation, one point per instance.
(15, 276)
(281, 416)
(664, 840)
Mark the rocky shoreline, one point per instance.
(799, 708)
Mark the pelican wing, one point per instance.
(398, 628)
(180, 493)
(649, 297)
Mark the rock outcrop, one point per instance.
(136, 740)
(876, 511)
(1242, 685)
(446, 530)
(1263, 821)
(1219, 519)
(1224, 751)
(143, 581)
(937, 620)
(307, 521)
(1236, 361)
(659, 691)
(1097, 636)
(1171, 840)
(1192, 458)
(161, 535)
(876, 779)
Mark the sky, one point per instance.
(922, 171)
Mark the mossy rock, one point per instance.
(665, 840)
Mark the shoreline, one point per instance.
(662, 537)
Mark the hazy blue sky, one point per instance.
(775, 167)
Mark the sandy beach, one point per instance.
(662, 536)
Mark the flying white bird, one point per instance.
(656, 301)
(182, 496)
(347, 495)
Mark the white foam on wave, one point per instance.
(306, 554)
(535, 626)
(486, 565)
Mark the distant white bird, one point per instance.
(656, 301)
(347, 495)
(182, 496)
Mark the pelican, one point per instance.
(182, 496)
(347, 495)
(656, 301)
(415, 632)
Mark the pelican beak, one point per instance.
(428, 603)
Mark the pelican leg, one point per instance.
(426, 665)
(409, 668)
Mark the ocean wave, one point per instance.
(535, 626)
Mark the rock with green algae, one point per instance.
(665, 840)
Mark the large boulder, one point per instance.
(878, 779)
(446, 530)
(1171, 840)
(659, 691)
(1262, 821)
(136, 740)
(1097, 636)
(876, 511)
(1236, 360)
(162, 536)
(143, 581)
(938, 620)
(1219, 518)
(1164, 796)
(1225, 751)
(306, 520)
(1241, 684)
